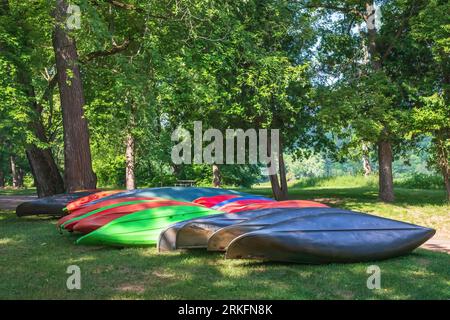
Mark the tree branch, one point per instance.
(131, 7)
(115, 49)
(398, 33)
(336, 8)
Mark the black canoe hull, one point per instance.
(52, 206)
(327, 246)
(329, 238)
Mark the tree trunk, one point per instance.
(130, 163)
(2, 179)
(20, 176)
(372, 35)
(77, 154)
(217, 178)
(446, 176)
(45, 172)
(279, 184)
(47, 178)
(386, 181)
(442, 159)
(366, 161)
(14, 171)
(386, 188)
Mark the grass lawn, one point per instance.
(34, 258)
(17, 192)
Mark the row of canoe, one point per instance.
(242, 225)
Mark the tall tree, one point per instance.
(430, 83)
(77, 154)
(19, 102)
(366, 100)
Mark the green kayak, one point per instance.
(142, 228)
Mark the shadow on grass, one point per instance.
(34, 258)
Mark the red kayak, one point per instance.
(99, 219)
(212, 201)
(82, 201)
(89, 208)
(245, 202)
(239, 206)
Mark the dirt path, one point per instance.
(11, 202)
(441, 245)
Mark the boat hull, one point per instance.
(222, 237)
(86, 210)
(173, 193)
(196, 232)
(53, 205)
(238, 207)
(142, 228)
(95, 220)
(330, 238)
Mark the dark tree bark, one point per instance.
(278, 180)
(20, 177)
(217, 178)
(47, 177)
(2, 179)
(130, 180)
(385, 158)
(442, 159)
(77, 154)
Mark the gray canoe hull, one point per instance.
(330, 238)
(222, 237)
(195, 233)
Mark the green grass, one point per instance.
(34, 258)
(17, 192)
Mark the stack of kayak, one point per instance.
(239, 224)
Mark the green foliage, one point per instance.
(297, 66)
(312, 166)
(420, 181)
(345, 181)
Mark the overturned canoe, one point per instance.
(89, 198)
(120, 208)
(243, 200)
(213, 200)
(142, 228)
(238, 206)
(222, 237)
(173, 193)
(194, 233)
(92, 207)
(53, 205)
(332, 237)
(105, 215)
